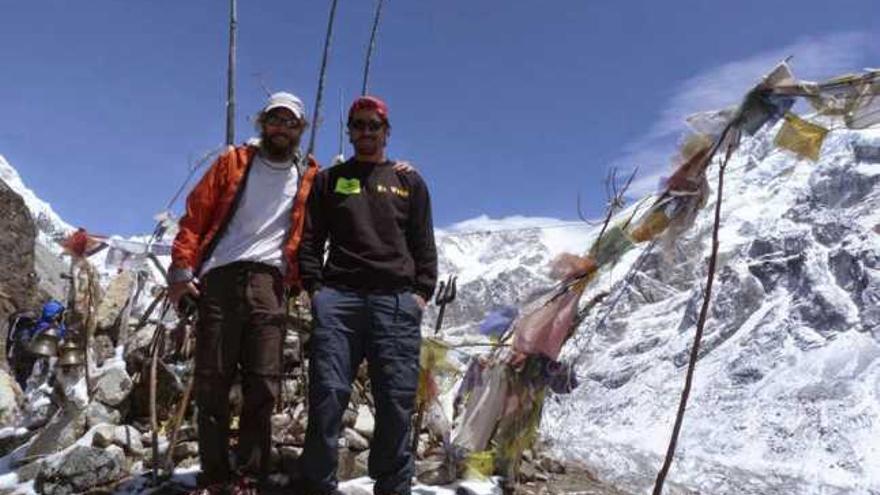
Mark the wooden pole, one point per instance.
(321, 76)
(701, 324)
(230, 74)
(371, 46)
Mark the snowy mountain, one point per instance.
(49, 223)
(787, 390)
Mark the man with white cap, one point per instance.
(236, 254)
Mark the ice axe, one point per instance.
(445, 295)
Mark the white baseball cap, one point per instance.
(288, 101)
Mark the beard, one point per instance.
(278, 145)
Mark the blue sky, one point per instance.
(506, 107)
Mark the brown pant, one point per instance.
(240, 328)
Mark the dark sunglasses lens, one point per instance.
(372, 125)
(280, 121)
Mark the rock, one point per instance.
(349, 418)
(18, 278)
(10, 399)
(29, 471)
(126, 437)
(168, 391)
(102, 349)
(98, 413)
(113, 386)
(139, 340)
(352, 464)
(527, 472)
(63, 430)
(102, 436)
(81, 469)
(434, 472)
(274, 460)
(114, 308)
(289, 457)
(13, 438)
(39, 409)
(551, 465)
(365, 423)
(354, 440)
(49, 269)
(185, 450)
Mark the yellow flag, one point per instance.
(479, 465)
(801, 137)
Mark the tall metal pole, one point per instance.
(230, 75)
(372, 45)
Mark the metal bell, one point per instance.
(71, 354)
(45, 343)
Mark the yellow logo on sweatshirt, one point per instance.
(348, 186)
(403, 193)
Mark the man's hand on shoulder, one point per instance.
(404, 166)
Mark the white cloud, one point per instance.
(813, 59)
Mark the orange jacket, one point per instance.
(209, 208)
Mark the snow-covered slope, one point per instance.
(49, 223)
(787, 391)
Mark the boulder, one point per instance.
(81, 469)
(126, 437)
(102, 349)
(365, 423)
(98, 413)
(18, 279)
(113, 386)
(185, 450)
(169, 388)
(352, 464)
(114, 309)
(63, 430)
(13, 438)
(354, 440)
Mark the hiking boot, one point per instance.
(215, 489)
(245, 486)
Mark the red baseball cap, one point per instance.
(369, 103)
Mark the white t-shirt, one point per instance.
(260, 225)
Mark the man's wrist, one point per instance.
(180, 275)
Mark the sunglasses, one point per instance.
(363, 125)
(276, 121)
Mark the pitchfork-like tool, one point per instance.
(445, 295)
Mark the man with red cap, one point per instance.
(367, 300)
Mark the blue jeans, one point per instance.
(384, 329)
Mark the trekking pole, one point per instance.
(371, 46)
(181, 411)
(445, 295)
(154, 369)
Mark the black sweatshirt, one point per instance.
(378, 222)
